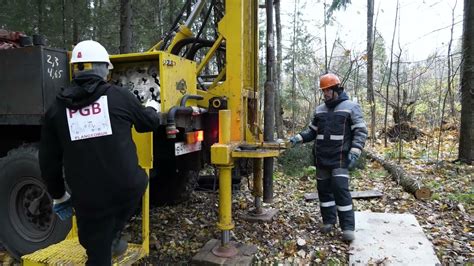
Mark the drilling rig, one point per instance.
(209, 95)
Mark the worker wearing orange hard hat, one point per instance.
(340, 132)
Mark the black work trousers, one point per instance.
(97, 233)
(333, 190)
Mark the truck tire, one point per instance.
(171, 183)
(27, 222)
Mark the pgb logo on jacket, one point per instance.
(91, 121)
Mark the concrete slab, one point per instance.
(390, 239)
(266, 216)
(206, 257)
(354, 194)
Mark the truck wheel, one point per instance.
(27, 222)
(171, 183)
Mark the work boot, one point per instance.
(326, 228)
(119, 247)
(348, 235)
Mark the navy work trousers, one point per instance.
(97, 233)
(333, 190)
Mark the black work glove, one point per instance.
(353, 156)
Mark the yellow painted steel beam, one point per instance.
(146, 219)
(219, 150)
(134, 57)
(241, 62)
(217, 79)
(155, 47)
(183, 33)
(255, 154)
(209, 54)
(144, 143)
(225, 198)
(224, 126)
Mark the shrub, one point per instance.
(294, 160)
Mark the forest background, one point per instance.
(403, 86)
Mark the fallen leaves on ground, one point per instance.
(178, 232)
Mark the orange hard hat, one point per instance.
(327, 81)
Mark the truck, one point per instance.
(31, 74)
(209, 118)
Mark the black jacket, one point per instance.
(102, 172)
(337, 127)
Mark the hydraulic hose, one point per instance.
(171, 130)
(188, 97)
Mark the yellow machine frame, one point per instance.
(239, 124)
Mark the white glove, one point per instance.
(153, 104)
(64, 198)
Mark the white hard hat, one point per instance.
(90, 51)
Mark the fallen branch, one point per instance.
(409, 183)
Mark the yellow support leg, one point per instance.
(146, 219)
(225, 199)
(221, 155)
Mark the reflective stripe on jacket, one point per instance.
(336, 131)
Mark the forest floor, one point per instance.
(447, 218)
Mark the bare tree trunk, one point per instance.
(356, 83)
(332, 52)
(159, 18)
(399, 106)
(389, 77)
(370, 66)
(466, 146)
(450, 61)
(125, 26)
(171, 8)
(448, 91)
(326, 67)
(441, 124)
(63, 11)
(400, 122)
(278, 108)
(39, 25)
(269, 111)
(293, 78)
(75, 25)
(440, 96)
(98, 12)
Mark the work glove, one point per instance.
(353, 156)
(63, 207)
(153, 104)
(295, 140)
